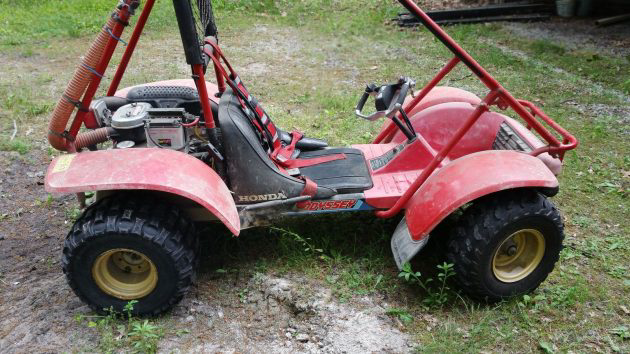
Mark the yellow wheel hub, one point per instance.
(518, 255)
(125, 274)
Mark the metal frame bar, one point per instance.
(131, 47)
(498, 95)
(391, 129)
(82, 116)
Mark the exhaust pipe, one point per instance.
(71, 98)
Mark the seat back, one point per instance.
(252, 175)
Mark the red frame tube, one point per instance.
(400, 203)
(82, 116)
(498, 95)
(391, 128)
(204, 98)
(131, 46)
(220, 79)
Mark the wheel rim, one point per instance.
(124, 273)
(518, 255)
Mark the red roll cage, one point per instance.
(498, 95)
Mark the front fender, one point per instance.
(469, 178)
(144, 169)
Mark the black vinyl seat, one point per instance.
(251, 172)
(350, 175)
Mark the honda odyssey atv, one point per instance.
(165, 156)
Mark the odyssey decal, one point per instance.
(327, 204)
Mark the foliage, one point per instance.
(401, 314)
(621, 331)
(305, 242)
(116, 334)
(438, 291)
(19, 145)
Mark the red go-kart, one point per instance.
(166, 155)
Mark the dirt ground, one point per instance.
(233, 313)
(276, 314)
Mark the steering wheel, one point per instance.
(389, 99)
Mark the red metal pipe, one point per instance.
(81, 115)
(131, 46)
(459, 52)
(200, 82)
(402, 201)
(386, 134)
(220, 79)
(571, 141)
(436, 80)
(530, 119)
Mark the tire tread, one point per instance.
(488, 216)
(152, 220)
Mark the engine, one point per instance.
(139, 124)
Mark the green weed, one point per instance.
(537, 301)
(438, 291)
(402, 315)
(144, 336)
(568, 296)
(622, 331)
(305, 242)
(47, 202)
(546, 347)
(116, 334)
(73, 214)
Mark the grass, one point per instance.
(37, 22)
(334, 48)
(123, 331)
(18, 145)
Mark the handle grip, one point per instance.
(370, 90)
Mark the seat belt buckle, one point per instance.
(293, 172)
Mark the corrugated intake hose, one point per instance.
(72, 95)
(93, 137)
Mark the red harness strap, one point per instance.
(310, 189)
(283, 154)
(279, 153)
(298, 163)
(249, 103)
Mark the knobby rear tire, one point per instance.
(140, 224)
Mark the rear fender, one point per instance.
(469, 178)
(439, 123)
(438, 95)
(160, 170)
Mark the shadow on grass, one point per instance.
(350, 253)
